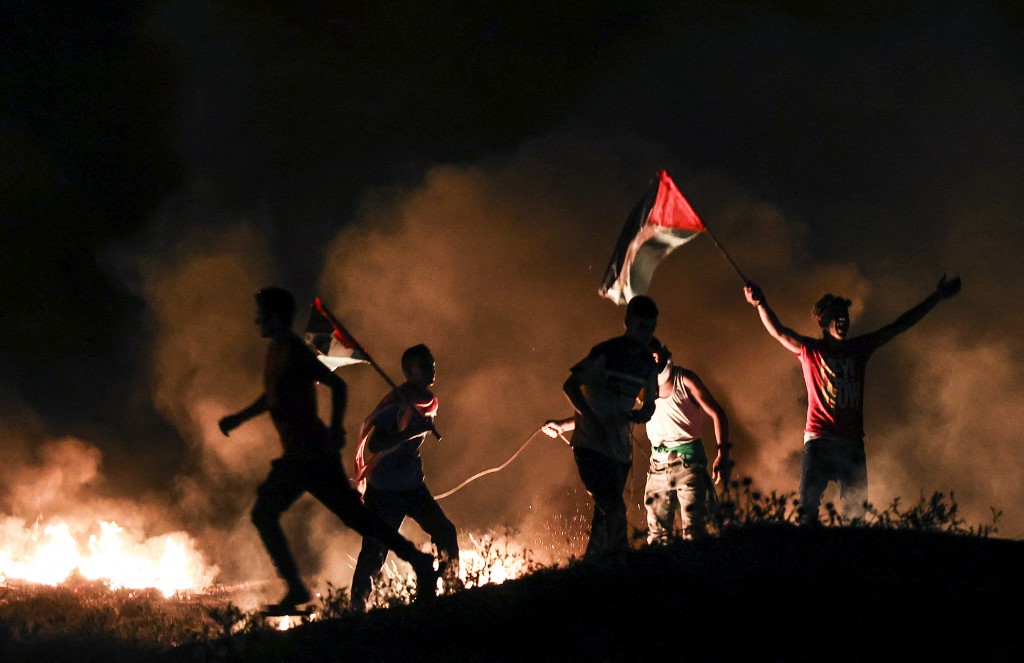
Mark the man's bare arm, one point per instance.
(574, 392)
(417, 427)
(784, 335)
(943, 290)
(339, 403)
(233, 421)
(721, 468)
(650, 395)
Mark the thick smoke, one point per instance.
(496, 267)
(61, 503)
(825, 156)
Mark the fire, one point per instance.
(491, 561)
(51, 553)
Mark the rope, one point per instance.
(493, 469)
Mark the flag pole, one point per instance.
(727, 256)
(337, 324)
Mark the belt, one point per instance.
(692, 451)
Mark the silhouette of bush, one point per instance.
(743, 506)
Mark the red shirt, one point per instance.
(835, 386)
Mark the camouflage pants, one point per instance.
(679, 486)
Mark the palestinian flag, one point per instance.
(660, 223)
(333, 345)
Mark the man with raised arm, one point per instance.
(833, 370)
(311, 461)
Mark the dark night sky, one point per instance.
(161, 160)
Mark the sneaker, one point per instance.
(289, 604)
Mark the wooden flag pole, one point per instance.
(337, 323)
(727, 257)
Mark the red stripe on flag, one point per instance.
(661, 222)
(671, 209)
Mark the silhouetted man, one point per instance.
(833, 370)
(389, 462)
(603, 388)
(311, 461)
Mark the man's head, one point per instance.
(275, 309)
(662, 359)
(641, 318)
(833, 315)
(418, 366)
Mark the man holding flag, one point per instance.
(389, 471)
(311, 461)
(833, 370)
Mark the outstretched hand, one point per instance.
(753, 294)
(551, 428)
(946, 289)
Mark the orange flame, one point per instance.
(50, 553)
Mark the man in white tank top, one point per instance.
(677, 477)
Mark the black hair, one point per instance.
(828, 304)
(277, 301)
(643, 307)
(411, 355)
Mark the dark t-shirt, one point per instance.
(289, 380)
(612, 377)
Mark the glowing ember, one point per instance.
(49, 554)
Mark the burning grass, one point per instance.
(81, 619)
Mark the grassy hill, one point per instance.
(907, 583)
(767, 592)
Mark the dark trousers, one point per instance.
(605, 480)
(323, 477)
(842, 461)
(393, 506)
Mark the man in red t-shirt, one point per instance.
(833, 369)
(311, 461)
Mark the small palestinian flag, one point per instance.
(333, 345)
